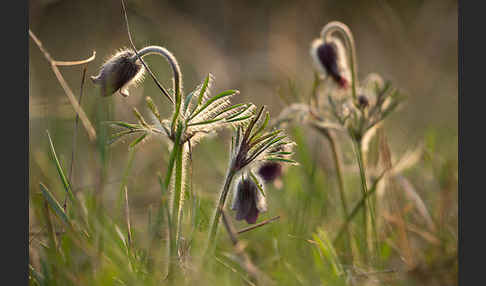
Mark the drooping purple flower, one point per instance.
(248, 200)
(363, 101)
(269, 171)
(329, 58)
(118, 73)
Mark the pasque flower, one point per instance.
(251, 146)
(118, 72)
(329, 58)
(269, 171)
(363, 101)
(248, 199)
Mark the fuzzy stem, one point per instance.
(219, 208)
(178, 193)
(344, 30)
(177, 75)
(337, 165)
(175, 158)
(177, 203)
(364, 188)
(371, 203)
(170, 58)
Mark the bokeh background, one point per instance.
(257, 47)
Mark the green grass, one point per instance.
(291, 251)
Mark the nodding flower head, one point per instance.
(118, 72)
(269, 171)
(363, 101)
(329, 58)
(248, 199)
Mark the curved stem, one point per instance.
(172, 61)
(344, 30)
(75, 63)
(177, 75)
(140, 58)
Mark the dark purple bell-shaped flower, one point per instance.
(363, 101)
(248, 200)
(118, 73)
(329, 58)
(269, 171)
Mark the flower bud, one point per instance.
(118, 73)
(329, 58)
(363, 101)
(248, 201)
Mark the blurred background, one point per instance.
(257, 47)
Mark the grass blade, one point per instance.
(327, 249)
(54, 204)
(65, 181)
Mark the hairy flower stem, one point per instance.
(176, 159)
(177, 155)
(364, 188)
(219, 208)
(170, 58)
(177, 75)
(177, 203)
(337, 165)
